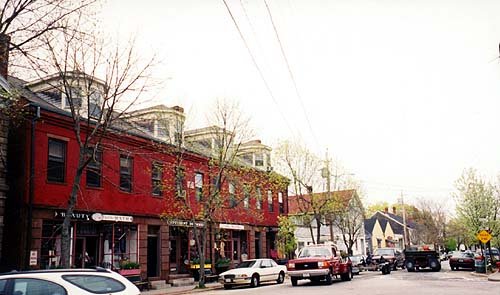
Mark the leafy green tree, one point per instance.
(286, 240)
(477, 204)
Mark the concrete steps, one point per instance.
(158, 285)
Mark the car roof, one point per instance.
(60, 270)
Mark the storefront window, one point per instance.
(51, 245)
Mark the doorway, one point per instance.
(178, 250)
(153, 253)
(86, 251)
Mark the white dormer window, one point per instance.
(95, 104)
(162, 128)
(259, 160)
(74, 98)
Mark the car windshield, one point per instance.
(314, 252)
(493, 251)
(246, 264)
(389, 252)
(463, 254)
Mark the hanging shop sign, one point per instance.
(232, 226)
(75, 216)
(187, 223)
(84, 216)
(109, 217)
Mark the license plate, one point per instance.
(228, 281)
(306, 275)
(460, 260)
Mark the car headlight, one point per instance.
(291, 265)
(321, 264)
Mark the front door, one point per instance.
(153, 256)
(178, 250)
(86, 251)
(236, 250)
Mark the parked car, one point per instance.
(494, 252)
(393, 255)
(253, 272)
(66, 281)
(319, 262)
(462, 260)
(358, 261)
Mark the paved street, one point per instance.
(397, 283)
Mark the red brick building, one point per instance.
(117, 215)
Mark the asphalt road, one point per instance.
(400, 282)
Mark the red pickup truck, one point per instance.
(319, 262)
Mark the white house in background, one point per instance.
(297, 207)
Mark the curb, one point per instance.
(194, 289)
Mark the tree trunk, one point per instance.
(65, 234)
(312, 233)
(318, 230)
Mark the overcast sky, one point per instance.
(404, 93)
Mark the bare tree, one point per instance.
(96, 107)
(229, 130)
(431, 221)
(301, 166)
(348, 216)
(26, 22)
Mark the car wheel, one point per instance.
(254, 282)
(346, 276)
(329, 278)
(227, 287)
(410, 266)
(294, 281)
(281, 278)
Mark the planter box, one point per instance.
(130, 272)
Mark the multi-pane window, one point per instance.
(232, 195)
(94, 168)
(270, 204)
(258, 198)
(156, 179)
(259, 160)
(246, 197)
(126, 173)
(280, 202)
(198, 185)
(56, 164)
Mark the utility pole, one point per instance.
(325, 173)
(405, 233)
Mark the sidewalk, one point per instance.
(183, 289)
(495, 277)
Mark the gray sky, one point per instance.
(404, 93)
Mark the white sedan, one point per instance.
(253, 272)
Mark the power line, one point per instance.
(257, 66)
(292, 77)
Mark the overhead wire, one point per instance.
(290, 72)
(268, 88)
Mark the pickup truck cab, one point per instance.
(319, 262)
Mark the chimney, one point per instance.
(4, 54)
(386, 209)
(178, 109)
(394, 210)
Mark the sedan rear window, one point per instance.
(95, 284)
